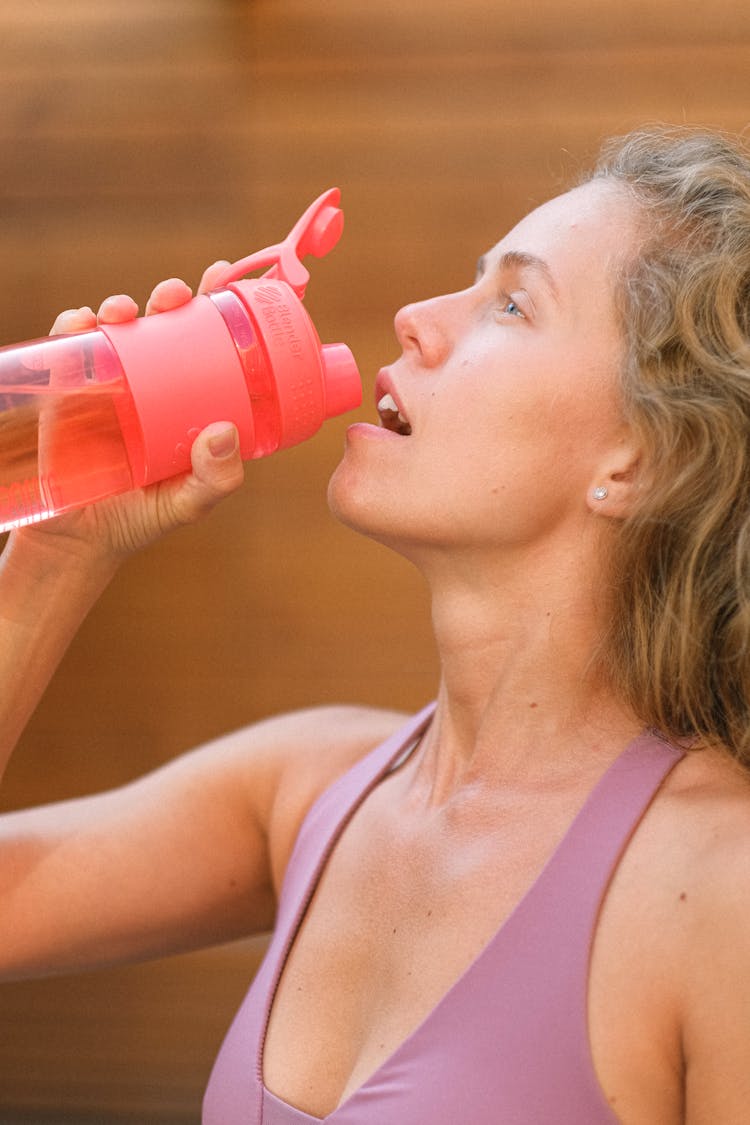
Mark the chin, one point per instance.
(370, 518)
(352, 503)
(345, 501)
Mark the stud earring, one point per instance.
(600, 493)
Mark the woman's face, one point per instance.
(509, 389)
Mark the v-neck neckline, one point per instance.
(283, 1112)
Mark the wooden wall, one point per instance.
(146, 139)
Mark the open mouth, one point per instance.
(391, 417)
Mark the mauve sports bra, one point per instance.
(508, 1043)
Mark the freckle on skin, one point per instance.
(533, 705)
(683, 897)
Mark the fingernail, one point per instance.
(224, 443)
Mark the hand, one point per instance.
(123, 524)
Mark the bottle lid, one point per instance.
(341, 382)
(312, 382)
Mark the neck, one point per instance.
(522, 692)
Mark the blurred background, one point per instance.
(147, 139)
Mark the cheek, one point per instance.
(518, 442)
(570, 396)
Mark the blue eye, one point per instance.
(512, 308)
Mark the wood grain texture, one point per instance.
(145, 140)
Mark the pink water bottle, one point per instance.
(95, 413)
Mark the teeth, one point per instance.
(387, 406)
(388, 402)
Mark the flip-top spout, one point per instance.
(316, 233)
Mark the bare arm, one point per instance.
(193, 853)
(190, 855)
(51, 574)
(44, 597)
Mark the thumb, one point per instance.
(217, 471)
(216, 457)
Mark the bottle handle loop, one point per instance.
(316, 233)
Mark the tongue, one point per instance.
(391, 417)
(392, 420)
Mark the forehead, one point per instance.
(582, 236)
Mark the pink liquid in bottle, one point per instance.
(65, 416)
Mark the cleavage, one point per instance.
(396, 918)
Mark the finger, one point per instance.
(217, 472)
(211, 276)
(74, 320)
(169, 294)
(116, 309)
(215, 457)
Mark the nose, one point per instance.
(425, 330)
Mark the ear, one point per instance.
(614, 489)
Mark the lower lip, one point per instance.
(370, 432)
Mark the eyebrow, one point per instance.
(522, 260)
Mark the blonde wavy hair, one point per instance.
(679, 645)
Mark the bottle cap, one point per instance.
(342, 385)
(313, 382)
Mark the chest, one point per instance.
(393, 923)
(415, 948)
(400, 926)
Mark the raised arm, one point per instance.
(52, 573)
(193, 853)
(190, 855)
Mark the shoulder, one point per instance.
(706, 808)
(712, 802)
(670, 985)
(290, 759)
(698, 837)
(313, 745)
(681, 891)
(712, 937)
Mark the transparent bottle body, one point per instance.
(67, 421)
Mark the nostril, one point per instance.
(405, 327)
(411, 329)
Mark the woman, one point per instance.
(530, 903)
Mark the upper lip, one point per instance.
(384, 386)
